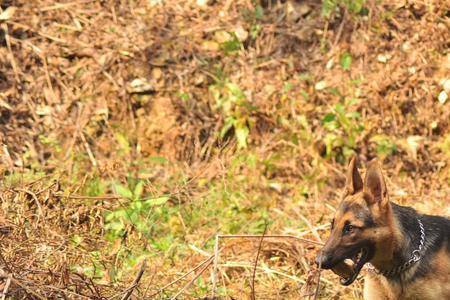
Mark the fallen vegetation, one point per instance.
(135, 132)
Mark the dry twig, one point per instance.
(135, 281)
(256, 263)
(192, 280)
(183, 276)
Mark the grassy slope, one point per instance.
(141, 131)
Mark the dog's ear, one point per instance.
(374, 185)
(354, 181)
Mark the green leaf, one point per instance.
(157, 201)
(134, 217)
(183, 96)
(231, 45)
(334, 91)
(76, 240)
(346, 61)
(364, 11)
(355, 5)
(138, 205)
(304, 95)
(340, 109)
(235, 90)
(385, 146)
(330, 117)
(241, 132)
(328, 6)
(95, 187)
(347, 152)
(353, 115)
(138, 190)
(122, 191)
(158, 159)
(259, 12)
(229, 123)
(255, 29)
(287, 87)
(123, 142)
(305, 77)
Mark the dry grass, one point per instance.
(98, 91)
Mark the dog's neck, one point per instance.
(402, 241)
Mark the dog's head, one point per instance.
(362, 224)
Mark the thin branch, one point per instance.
(256, 236)
(5, 263)
(135, 281)
(36, 200)
(88, 150)
(316, 293)
(340, 29)
(183, 276)
(256, 263)
(11, 52)
(216, 261)
(105, 197)
(27, 289)
(192, 280)
(6, 288)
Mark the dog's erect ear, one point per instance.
(354, 181)
(374, 185)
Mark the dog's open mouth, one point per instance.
(359, 259)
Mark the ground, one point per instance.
(135, 132)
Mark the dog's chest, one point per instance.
(430, 287)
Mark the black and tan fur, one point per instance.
(385, 234)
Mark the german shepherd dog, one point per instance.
(407, 253)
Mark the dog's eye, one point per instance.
(348, 228)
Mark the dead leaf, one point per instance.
(210, 46)
(140, 85)
(442, 98)
(413, 142)
(8, 13)
(222, 36)
(320, 85)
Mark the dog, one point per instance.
(407, 254)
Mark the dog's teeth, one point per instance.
(359, 255)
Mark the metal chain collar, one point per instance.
(415, 257)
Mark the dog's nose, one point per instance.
(323, 260)
(320, 258)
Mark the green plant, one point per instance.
(253, 17)
(123, 142)
(17, 178)
(385, 146)
(135, 213)
(231, 101)
(52, 141)
(345, 61)
(94, 269)
(232, 45)
(331, 6)
(255, 29)
(94, 187)
(202, 286)
(343, 127)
